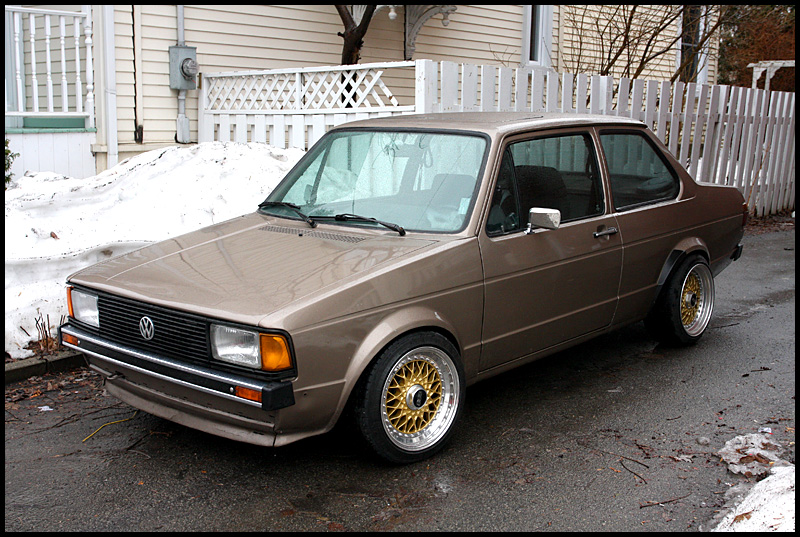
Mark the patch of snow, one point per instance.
(56, 225)
(769, 506)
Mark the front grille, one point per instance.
(175, 335)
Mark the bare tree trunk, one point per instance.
(353, 34)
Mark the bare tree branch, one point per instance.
(629, 41)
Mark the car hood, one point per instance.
(246, 268)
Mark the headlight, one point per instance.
(83, 307)
(249, 348)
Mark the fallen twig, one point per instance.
(650, 504)
(631, 471)
(622, 456)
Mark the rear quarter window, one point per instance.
(637, 171)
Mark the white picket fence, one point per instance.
(722, 134)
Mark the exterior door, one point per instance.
(549, 286)
(644, 192)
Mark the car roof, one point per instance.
(492, 123)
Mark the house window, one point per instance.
(692, 59)
(537, 36)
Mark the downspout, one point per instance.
(109, 68)
(182, 134)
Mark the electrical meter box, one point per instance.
(183, 68)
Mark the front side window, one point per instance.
(557, 172)
(422, 181)
(637, 172)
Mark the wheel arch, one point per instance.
(679, 252)
(385, 333)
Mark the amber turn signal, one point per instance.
(275, 354)
(69, 338)
(248, 393)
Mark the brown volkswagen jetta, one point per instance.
(399, 261)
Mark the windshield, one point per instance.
(421, 181)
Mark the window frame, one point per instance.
(586, 132)
(701, 73)
(543, 15)
(659, 153)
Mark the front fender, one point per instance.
(394, 325)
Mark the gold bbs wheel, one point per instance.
(420, 398)
(682, 311)
(697, 299)
(413, 396)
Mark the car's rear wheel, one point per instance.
(411, 398)
(683, 309)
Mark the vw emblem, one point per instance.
(146, 328)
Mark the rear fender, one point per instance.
(679, 252)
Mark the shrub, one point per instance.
(9, 159)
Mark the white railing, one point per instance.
(50, 56)
(294, 106)
(724, 135)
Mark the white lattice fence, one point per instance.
(294, 107)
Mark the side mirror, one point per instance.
(545, 218)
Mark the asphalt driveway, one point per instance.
(618, 434)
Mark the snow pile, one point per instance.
(55, 225)
(769, 504)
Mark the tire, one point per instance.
(411, 398)
(683, 310)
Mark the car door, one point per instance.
(645, 192)
(548, 286)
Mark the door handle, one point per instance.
(609, 231)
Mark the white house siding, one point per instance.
(255, 37)
(69, 153)
(123, 50)
(481, 35)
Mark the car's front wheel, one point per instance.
(411, 398)
(683, 310)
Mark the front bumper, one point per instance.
(189, 394)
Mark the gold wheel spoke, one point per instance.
(417, 372)
(689, 311)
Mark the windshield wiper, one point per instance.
(354, 217)
(292, 206)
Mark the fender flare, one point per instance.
(678, 253)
